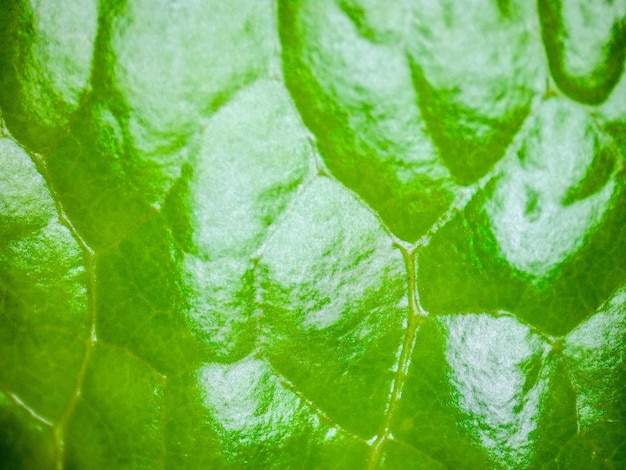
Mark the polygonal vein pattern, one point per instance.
(312, 234)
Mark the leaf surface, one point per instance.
(312, 234)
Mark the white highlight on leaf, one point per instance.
(246, 399)
(487, 357)
(534, 226)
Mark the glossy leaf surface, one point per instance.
(312, 234)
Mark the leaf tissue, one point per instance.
(313, 234)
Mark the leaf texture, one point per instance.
(312, 234)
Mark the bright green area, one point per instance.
(313, 234)
(358, 99)
(46, 54)
(585, 46)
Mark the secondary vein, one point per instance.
(60, 427)
(416, 314)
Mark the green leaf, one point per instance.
(312, 234)
(358, 99)
(584, 46)
(46, 54)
